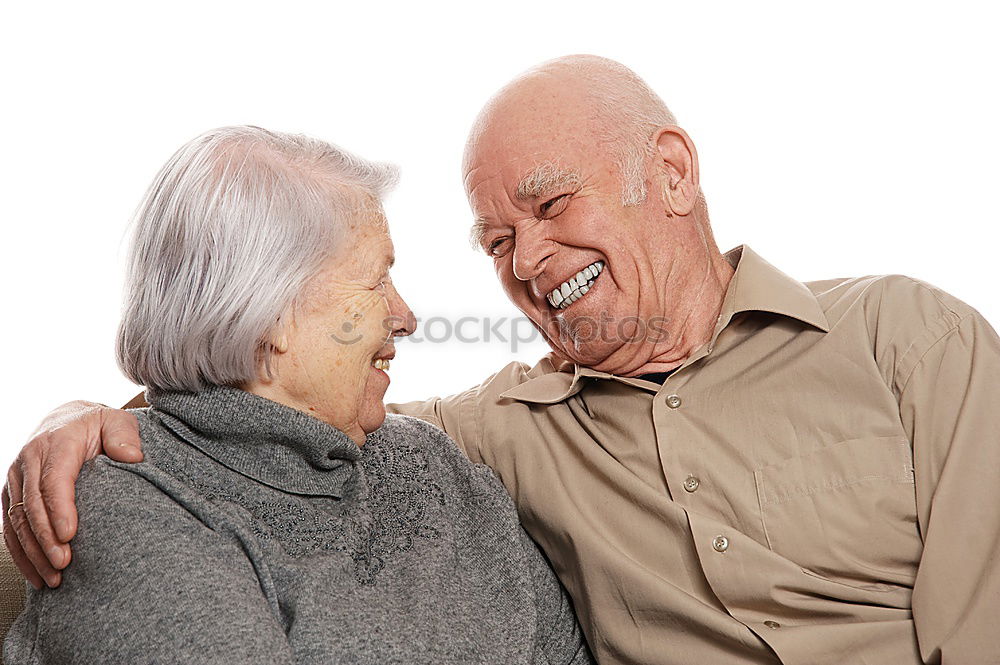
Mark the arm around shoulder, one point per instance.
(149, 582)
(461, 415)
(42, 480)
(455, 415)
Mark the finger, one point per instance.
(44, 540)
(43, 519)
(14, 545)
(49, 488)
(120, 436)
(19, 557)
(33, 561)
(37, 564)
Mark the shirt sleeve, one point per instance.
(456, 415)
(950, 407)
(149, 582)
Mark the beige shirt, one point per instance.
(820, 483)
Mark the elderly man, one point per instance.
(723, 464)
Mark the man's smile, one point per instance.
(575, 287)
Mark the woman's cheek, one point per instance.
(377, 318)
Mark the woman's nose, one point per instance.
(403, 321)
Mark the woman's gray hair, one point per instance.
(229, 232)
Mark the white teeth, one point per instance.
(575, 287)
(381, 363)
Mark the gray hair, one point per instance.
(229, 232)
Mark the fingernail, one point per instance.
(62, 526)
(56, 556)
(53, 580)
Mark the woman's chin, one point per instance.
(371, 413)
(372, 418)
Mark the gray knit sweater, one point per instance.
(254, 533)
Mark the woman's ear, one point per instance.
(280, 343)
(274, 346)
(679, 169)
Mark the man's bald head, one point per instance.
(587, 199)
(616, 106)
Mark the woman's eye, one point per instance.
(554, 206)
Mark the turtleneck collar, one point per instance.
(267, 441)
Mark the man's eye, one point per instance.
(498, 247)
(554, 206)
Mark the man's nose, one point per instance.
(531, 251)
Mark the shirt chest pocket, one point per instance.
(845, 512)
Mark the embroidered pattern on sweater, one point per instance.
(401, 492)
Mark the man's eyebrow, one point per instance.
(546, 178)
(477, 233)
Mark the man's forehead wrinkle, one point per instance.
(545, 178)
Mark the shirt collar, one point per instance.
(259, 438)
(756, 286)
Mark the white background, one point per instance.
(838, 139)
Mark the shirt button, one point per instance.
(720, 544)
(673, 401)
(773, 625)
(691, 483)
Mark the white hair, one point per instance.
(229, 232)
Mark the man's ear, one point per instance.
(678, 169)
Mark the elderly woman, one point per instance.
(275, 518)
